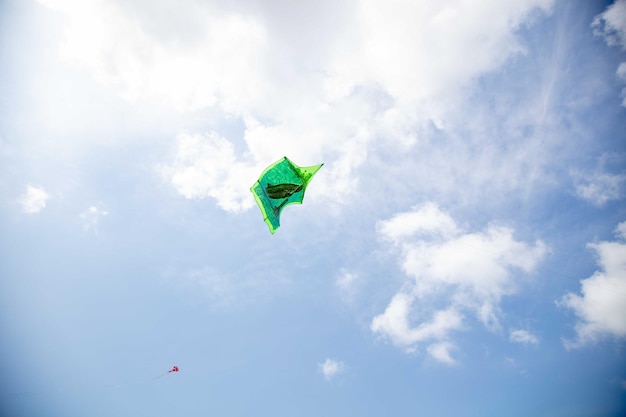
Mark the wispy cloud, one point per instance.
(607, 182)
(346, 280)
(601, 187)
(524, 337)
(330, 368)
(34, 200)
(601, 306)
(221, 290)
(453, 271)
(91, 218)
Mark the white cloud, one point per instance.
(378, 71)
(621, 74)
(217, 62)
(621, 71)
(423, 56)
(331, 368)
(441, 352)
(600, 187)
(206, 166)
(461, 271)
(91, 218)
(348, 285)
(395, 323)
(611, 25)
(601, 306)
(346, 280)
(427, 220)
(523, 336)
(224, 290)
(201, 54)
(34, 200)
(420, 50)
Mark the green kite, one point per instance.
(281, 184)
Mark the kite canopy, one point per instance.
(281, 184)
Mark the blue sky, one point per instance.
(461, 252)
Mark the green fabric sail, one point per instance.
(281, 184)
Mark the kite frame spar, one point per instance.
(281, 184)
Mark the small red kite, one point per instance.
(174, 369)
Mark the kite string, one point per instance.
(97, 387)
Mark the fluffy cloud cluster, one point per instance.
(418, 50)
(184, 57)
(34, 200)
(377, 71)
(601, 306)
(453, 272)
(206, 166)
(611, 25)
(200, 54)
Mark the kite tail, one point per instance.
(160, 376)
